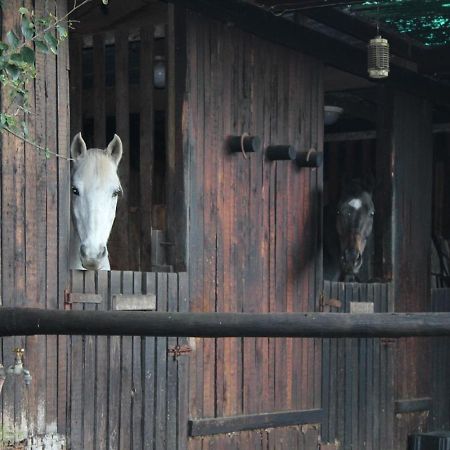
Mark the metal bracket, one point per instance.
(179, 350)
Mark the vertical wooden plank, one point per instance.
(228, 381)
(383, 195)
(76, 384)
(370, 384)
(193, 145)
(172, 368)
(13, 250)
(146, 151)
(126, 367)
(90, 377)
(63, 112)
(209, 238)
(101, 410)
(137, 400)
(176, 172)
(221, 48)
(114, 392)
(183, 371)
(120, 249)
(161, 369)
(76, 78)
(378, 380)
(149, 404)
(51, 232)
(39, 388)
(98, 92)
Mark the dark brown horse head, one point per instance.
(354, 222)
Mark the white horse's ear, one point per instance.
(78, 147)
(114, 149)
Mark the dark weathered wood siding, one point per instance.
(440, 414)
(412, 185)
(34, 230)
(253, 224)
(358, 375)
(127, 392)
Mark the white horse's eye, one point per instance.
(75, 191)
(116, 192)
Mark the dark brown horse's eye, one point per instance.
(75, 191)
(116, 192)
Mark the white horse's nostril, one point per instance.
(102, 253)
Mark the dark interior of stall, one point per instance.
(125, 93)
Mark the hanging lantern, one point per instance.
(378, 58)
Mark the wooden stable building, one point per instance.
(201, 228)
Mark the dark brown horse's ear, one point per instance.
(78, 147)
(115, 149)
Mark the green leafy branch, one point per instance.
(18, 50)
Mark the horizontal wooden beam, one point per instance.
(412, 405)
(30, 321)
(233, 424)
(344, 136)
(372, 134)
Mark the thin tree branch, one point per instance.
(47, 151)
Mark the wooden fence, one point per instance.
(357, 374)
(440, 302)
(126, 392)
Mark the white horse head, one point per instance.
(95, 189)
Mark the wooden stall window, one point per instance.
(359, 146)
(113, 91)
(344, 161)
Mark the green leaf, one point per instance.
(27, 55)
(62, 31)
(16, 58)
(10, 121)
(41, 46)
(13, 71)
(27, 28)
(47, 153)
(3, 46)
(51, 42)
(23, 10)
(12, 38)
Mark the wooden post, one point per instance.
(146, 151)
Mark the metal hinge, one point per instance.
(179, 350)
(330, 302)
